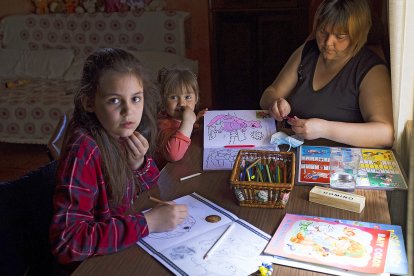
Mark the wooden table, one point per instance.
(214, 185)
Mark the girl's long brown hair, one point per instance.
(115, 167)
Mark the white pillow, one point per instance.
(74, 71)
(48, 64)
(152, 61)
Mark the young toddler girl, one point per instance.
(177, 119)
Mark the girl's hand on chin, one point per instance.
(136, 147)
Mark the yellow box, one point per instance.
(338, 199)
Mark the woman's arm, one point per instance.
(375, 101)
(282, 85)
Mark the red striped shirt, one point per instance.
(84, 224)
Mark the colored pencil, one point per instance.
(159, 201)
(219, 241)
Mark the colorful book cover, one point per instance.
(396, 262)
(378, 169)
(228, 131)
(330, 243)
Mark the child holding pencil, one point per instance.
(177, 119)
(105, 162)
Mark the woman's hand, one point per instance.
(279, 109)
(308, 128)
(201, 113)
(136, 147)
(165, 217)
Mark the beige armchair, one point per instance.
(55, 142)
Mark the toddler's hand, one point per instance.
(188, 115)
(136, 147)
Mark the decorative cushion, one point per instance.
(48, 64)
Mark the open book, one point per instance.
(182, 250)
(378, 168)
(330, 243)
(228, 131)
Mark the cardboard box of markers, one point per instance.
(263, 178)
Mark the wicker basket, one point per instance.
(255, 189)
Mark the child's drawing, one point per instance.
(238, 253)
(228, 131)
(236, 127)
(257, 135)
(222, 262)
(221, 158)
(181, 229)
(181, 252)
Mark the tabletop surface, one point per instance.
(215, 186)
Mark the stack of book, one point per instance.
(340, 247)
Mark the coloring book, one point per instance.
(182, 249)
(378, 169)
(396, 262)
(330, 243)
(228, 131)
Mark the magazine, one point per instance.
(330, 243)
(378, 168)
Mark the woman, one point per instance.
(333, 86)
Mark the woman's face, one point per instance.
(119, 103)
(333, 45)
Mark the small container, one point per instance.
(344, 166)
(259, 191)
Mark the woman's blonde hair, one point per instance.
(172, 80)
(352, 17)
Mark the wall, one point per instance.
(200, 47)
(15, 7)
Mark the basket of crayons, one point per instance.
(263, 178)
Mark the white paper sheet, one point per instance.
(182, 250)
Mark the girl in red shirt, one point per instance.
(105, 162)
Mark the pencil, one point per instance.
(254, 163)
(190, 176)
(219, 241)
(159, 201)
(268, 173)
